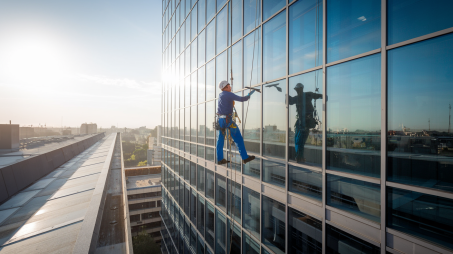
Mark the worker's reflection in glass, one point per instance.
(305, 118)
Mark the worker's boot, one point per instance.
(250, 158)
(223, 161)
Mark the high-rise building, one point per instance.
(350, 129)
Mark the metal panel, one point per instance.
(371, 233)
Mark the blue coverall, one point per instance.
(225, 107)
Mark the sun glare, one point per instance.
(34, 59)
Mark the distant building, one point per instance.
(88, 128)
(9, 136)
(144, 195)
(26, 132)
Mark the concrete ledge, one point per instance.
(16, 177)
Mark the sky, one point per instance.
(64, 63)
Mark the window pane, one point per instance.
(235, 242)
(188, 6)
(236, 64)
(424, 216)
(193, 239)
(187, 170)
(252, 168)
(194, 61)
(193, 16)
(200, 215)
(305, 116)
(221, 68)
(305, 35)
(252, 123)
(234, 200)
(353, 119)
(210, 80)
(200, 177)
(209, 234)
(353, 27)
(410, 19)
(193, 207)
(304, 233)
(193, 124)
(181, 194)
(339, 241)
(187, 124)
(193, 149)
(220, 194)
(201, 49)
(274, 225)
(250, 246)
(252, 59)
(222, 24)
(251, 210)
(210, 9)
(270, 7)
(220, 233)
(210, 40)
(420, 92)
(354, 196)
(210, 155)
(305, 182)
(236, 19)
(274, 47)
(200, 152)
(274, 119)
(209, 185)
(210, 119)
(200, 246)
(187, 200)
(187, 67)
(182, 42)
(201, 14)
(181, 166)
(188, 35)
(220, 4)
(274, 173)
(201, 124)
(252, 15)
(193, 174)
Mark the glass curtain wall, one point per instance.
(355, 106)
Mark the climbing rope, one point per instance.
(232, 206)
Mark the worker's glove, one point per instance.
(250, 94)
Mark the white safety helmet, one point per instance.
(223, 84)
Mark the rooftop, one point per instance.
(65, 211)
(143, 181)
(31, 147)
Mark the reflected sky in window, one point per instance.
(354, 116)
(274, 119)
(420, 96)
(305, 35)
(353, 27)
(410, 19)
(274, 47)
(252, 59)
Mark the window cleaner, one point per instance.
(225, 121)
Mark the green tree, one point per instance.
(143, 243)
(142, 163)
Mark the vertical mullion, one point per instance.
(324, 118)
(286, 129)
(383, 122)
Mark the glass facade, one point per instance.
(353, 121)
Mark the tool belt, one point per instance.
(216, 125)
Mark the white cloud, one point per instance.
(153, 87)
